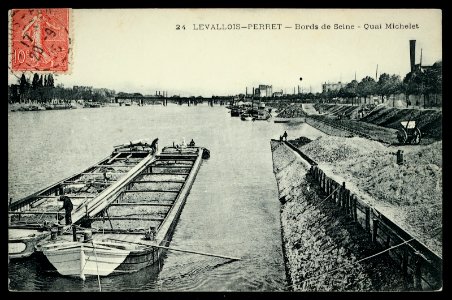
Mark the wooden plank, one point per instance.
(113, 158)
(176, 156)
(127, 218)
(98, 173)
(87, 182)
(190, 161)
(141, 204)
(116, 166)
(157, 181)
(151, 191)
(72, 197)
(164, 173)
(34, 213)
(170, 166)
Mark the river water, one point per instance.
(233, 207)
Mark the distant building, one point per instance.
(278, 94)
(82, 88)
(263, 91)
(332, 86)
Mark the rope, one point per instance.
(358, 261)
(367, 257)
(97, 266)
(330, 194)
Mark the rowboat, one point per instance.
(32, 218)
(235, 111)
(132, 230)
(246, 117)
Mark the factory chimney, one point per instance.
(412, 53)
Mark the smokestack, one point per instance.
(412, 53)
(376, 74)
(420, 62)
(246, 91)
(253, 91)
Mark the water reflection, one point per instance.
(232, 209)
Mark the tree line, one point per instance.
(42, 89)
(425, 83)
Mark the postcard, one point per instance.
(224, 150)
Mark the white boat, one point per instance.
(81, 259)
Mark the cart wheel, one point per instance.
(402, 136)
(417, 136)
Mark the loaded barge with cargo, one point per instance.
(33, 218)
(131, 230)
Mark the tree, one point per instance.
(413, 84)
(342, 93)
(394, 87)
(366, 87)
(24, 87)
(383, 85)
(433, 80)
(35, 82)
(50, 81)
(351, 89)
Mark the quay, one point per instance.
(333, 240)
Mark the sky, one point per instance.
(140, 50)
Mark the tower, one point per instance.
(412, 53)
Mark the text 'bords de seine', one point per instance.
(313, 26)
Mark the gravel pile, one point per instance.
(331, 149)
(413, 189)
(292, 111)
(301, 141)
(321, 245)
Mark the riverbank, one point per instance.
(322, 247)
(379, 123)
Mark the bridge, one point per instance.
(161, 100)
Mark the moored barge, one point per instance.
(132, 230)
(33, 218)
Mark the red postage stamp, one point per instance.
(40, 40)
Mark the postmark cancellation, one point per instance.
(40, 40)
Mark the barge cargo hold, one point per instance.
(32, 218)
(131, 232)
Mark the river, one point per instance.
(233, 207)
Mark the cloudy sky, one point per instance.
(141, 50)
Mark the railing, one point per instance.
(414, 258)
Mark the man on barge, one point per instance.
(67, 205)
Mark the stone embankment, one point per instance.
(323, 247)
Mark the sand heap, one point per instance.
(292, 111)
(321, 245)
(413, 189)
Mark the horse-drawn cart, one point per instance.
(409, 133)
